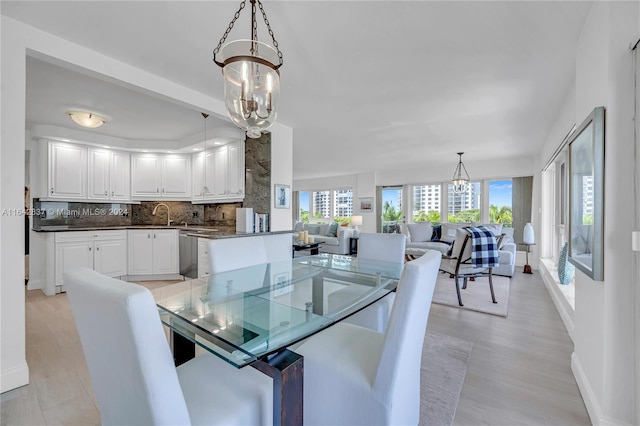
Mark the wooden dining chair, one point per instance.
(132, 368)
(358, 376)
(372, 247)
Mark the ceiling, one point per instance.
(366, 86)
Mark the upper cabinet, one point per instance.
(67, 171)
(160, 176)
(108, 175)
(219, 174)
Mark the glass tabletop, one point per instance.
(250, 313)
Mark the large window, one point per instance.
(391, 209)
(326, 206)
(427, 203)
(500, 199)
(464, 206)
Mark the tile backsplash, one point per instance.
(55, 213)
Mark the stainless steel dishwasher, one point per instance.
(188, 253)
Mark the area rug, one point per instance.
(477, 296)
(444, 366)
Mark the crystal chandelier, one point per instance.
(460, 180)
(251, 76)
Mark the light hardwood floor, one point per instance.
(519, 372)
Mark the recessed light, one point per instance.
(144, 150)
(106, 146)
(217, 143)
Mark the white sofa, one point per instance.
(420, 236)
(335, 244)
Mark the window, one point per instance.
(326, 206)
(500, 199)
(464, 206)
(391, 209)
(426, 203)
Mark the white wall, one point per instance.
(604, 358)
(281, 173)
(18, 41)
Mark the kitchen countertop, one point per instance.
(200, 231)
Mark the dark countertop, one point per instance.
(200, 231)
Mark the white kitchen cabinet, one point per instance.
(67, 171)
(235, 161)
(203, 257)
(203, 171)
(160, 176)
(153, 251)
(108, 175)
(103, 251)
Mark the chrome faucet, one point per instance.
(168, 212)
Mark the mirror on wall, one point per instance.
(586, 196)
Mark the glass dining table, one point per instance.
(250, 316)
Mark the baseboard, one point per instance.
(12, 378)
(558, 298)
(156, 277)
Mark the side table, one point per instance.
(527, 267)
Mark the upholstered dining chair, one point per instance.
(132, 368)
(355, 375)
(372, 248)
(459, 265)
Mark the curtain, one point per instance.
(295, 205)
(521, 198)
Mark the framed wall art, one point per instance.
(282, 196)
(586, 196)
(366, 204)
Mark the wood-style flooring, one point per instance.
(519, 372)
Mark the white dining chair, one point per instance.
(371, 248)
(132, 368)
(227, 254)
(358, 376)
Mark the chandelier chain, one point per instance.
(273, 37)
(231, 24)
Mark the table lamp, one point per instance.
(355, 222)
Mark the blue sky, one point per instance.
(304, 200)
(500, 192)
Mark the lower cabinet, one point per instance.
(102, 251)
(153, 251)
(203, 257)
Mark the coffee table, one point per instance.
(312, 247)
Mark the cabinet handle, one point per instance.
(112, 193)
(89, 248)
(157, 190)
(97, 248)
(148, 236)
(52, 190)
(163, 190)
(154, 235)
(106, 193)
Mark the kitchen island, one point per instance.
(130, 252)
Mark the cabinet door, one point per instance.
(236, 169)
(221, 172)
(198, 180)
(176, 173)
(110, 257)
(146, 175)
(98, 179)
(71, 255)
(165, 251)
(120, 179)
(140, 252)
(67, 171)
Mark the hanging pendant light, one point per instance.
(251, 76)
(205, 188)
(460, 180)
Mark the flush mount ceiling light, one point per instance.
(460, 180)
(251, 76)
(87, 119)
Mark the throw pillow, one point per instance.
(323, 229)
(298, 227)
(420, 232)
(313, 229)
(448, 232)
(565, 269)
(332, 230)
